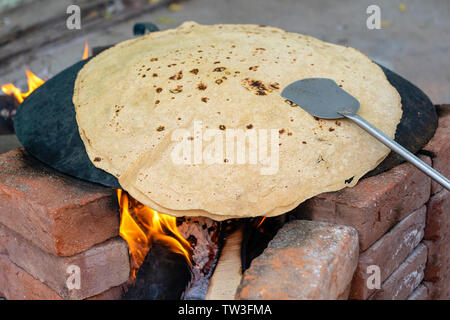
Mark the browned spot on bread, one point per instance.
(219, 69)
(256, 86)
(219, 81)
(204, 99)
(222, 127)
(97, 159)
(159, 90)
(118, 109)
(177, 76)
(201, 86)
(160, 128)
(178, 89)
(275, 85)
(194, 71)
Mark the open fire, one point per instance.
(34, 82)
(142, 226)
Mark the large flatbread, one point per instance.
(132, 100)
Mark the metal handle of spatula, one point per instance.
(436, 176)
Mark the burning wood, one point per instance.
(164, 275)
(206, 238)
(142, 226)
(34, 82)
(161, 246)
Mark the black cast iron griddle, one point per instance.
(45, 125)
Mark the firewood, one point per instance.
(164, 275)
(205, 236)
(228, 273)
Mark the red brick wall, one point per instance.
(403, 223)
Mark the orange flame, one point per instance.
(34, 82)
(86, 51)
(141, 226)
(259, 221)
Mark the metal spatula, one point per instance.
(323, 98)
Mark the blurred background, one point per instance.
(414, 39)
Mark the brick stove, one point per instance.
(397, 220)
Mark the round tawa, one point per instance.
(45, 125)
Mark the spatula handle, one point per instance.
(436, 176)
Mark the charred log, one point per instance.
(164, 275)
(206, 239)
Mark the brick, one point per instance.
(439, 146)
(388, 252)
(439, 290)
(103, 266)
(58, 213)
(438, 263)
(421, 293)
(17, 284)
(375, 204)
(403, 281)
(345, 294)
(114, 293)
(438, 216)
(305, 260)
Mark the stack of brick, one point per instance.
(58, 235)
(437, 231)
(393, 214)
